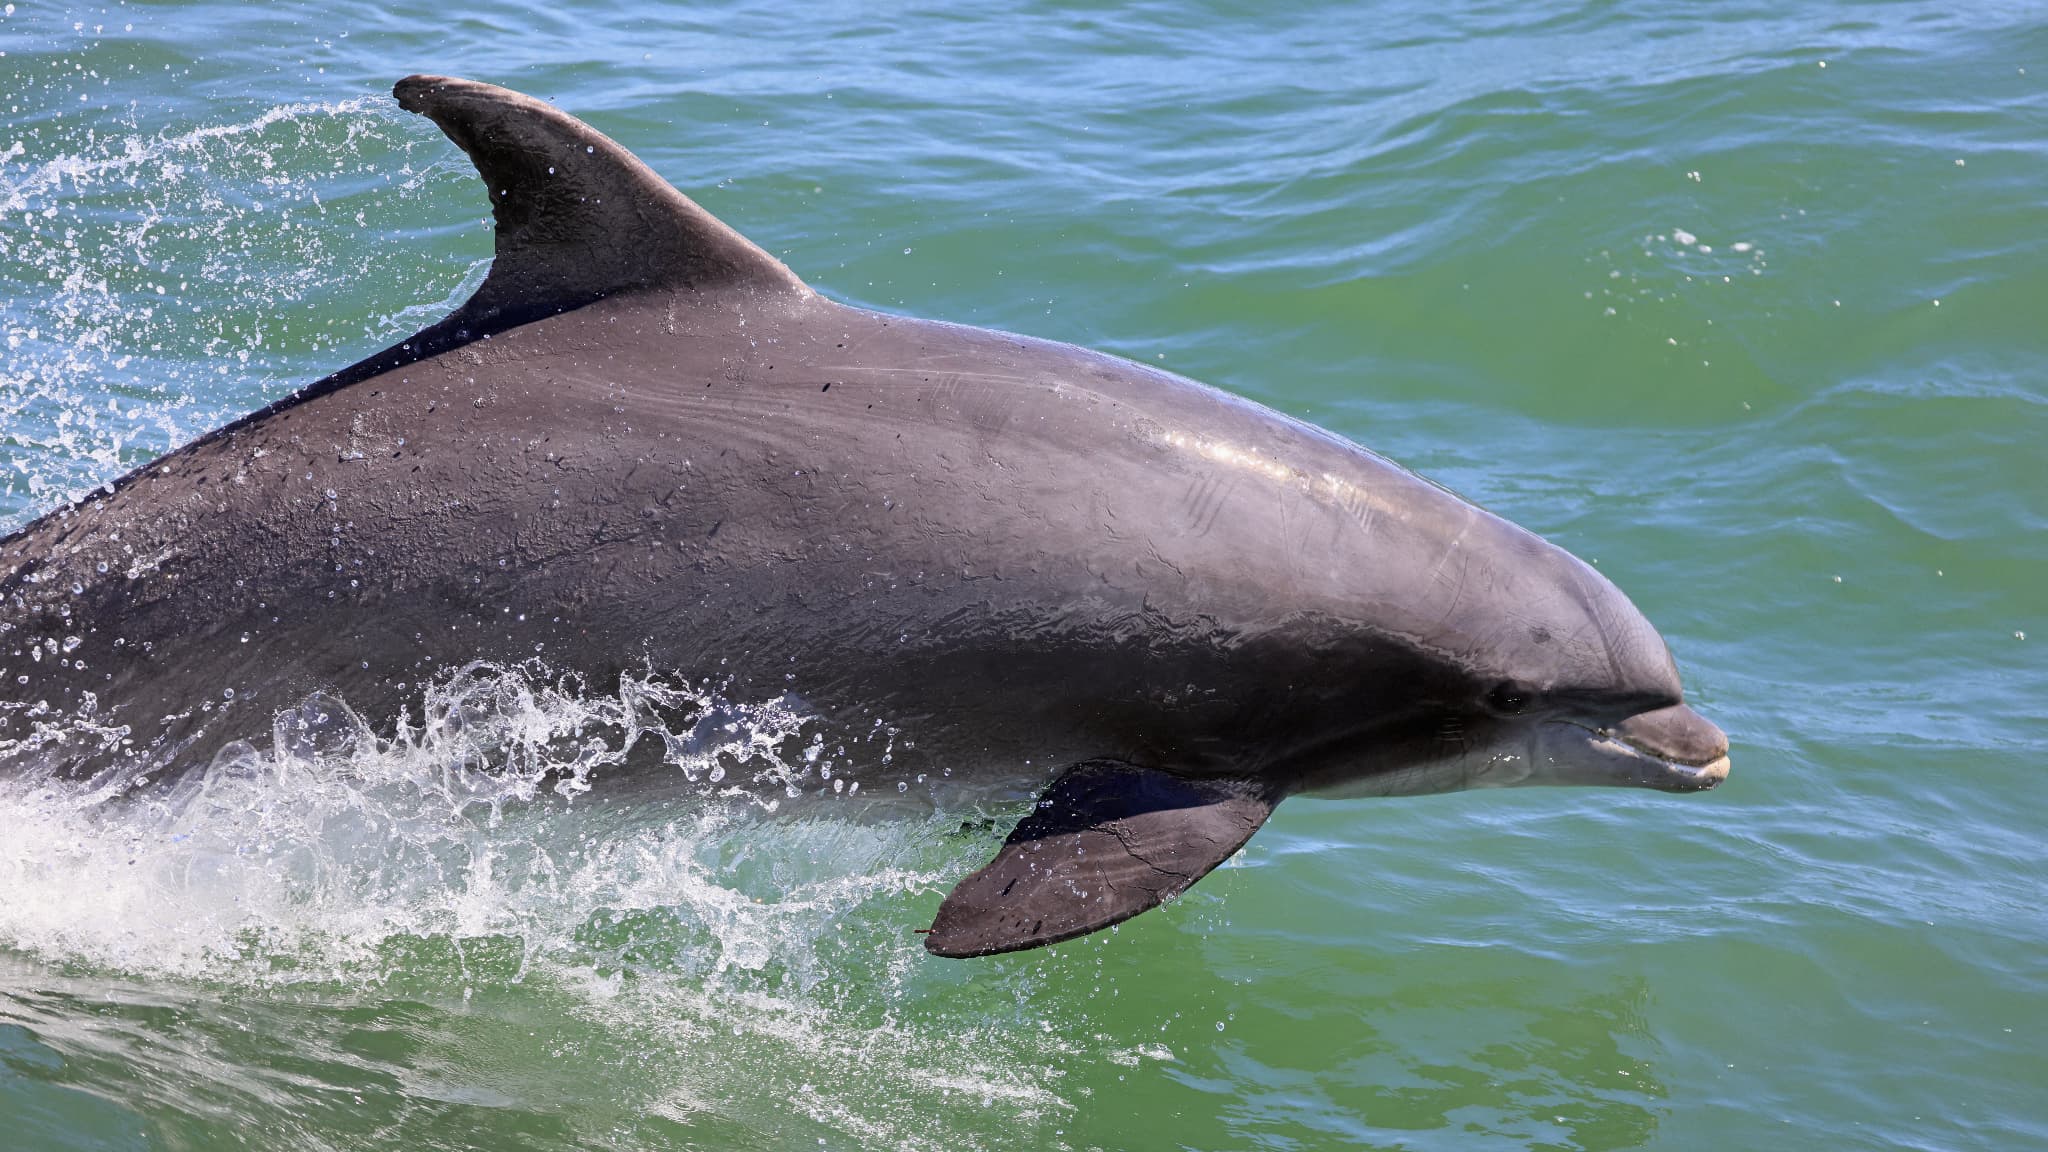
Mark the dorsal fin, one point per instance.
(579, 218)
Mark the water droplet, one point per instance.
(71, 643)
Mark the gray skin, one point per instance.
(646, 446)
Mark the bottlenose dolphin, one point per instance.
(645, 444)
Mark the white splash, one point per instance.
(158, 285)
(493, 817)
(621, 850)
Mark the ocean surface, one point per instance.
(1748, 303)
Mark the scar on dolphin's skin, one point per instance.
(645, 443)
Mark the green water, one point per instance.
(1749, 303)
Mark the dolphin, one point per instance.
(645, 444)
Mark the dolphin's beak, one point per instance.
(1671, 749)
(1690, 749)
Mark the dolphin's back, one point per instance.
(645, 443)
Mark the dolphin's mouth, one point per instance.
(1662, 772)
(1672, 749)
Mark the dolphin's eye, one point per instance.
(1507, 699)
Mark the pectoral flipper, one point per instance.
(1106, 841)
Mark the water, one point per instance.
(1745, 302)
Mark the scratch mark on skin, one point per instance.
(1359, 504)
(1153, 550)
(1191, 502)
(1175, 879)
(950, 379)
(142, 566)
(1451, 739)
(1455, 549)
(1203, 504)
